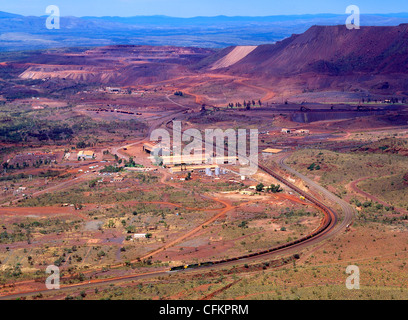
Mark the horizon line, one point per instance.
(217, 16)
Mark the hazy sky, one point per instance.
(191, 8)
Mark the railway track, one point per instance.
(326, 229)
(348, 210)
(327, 224)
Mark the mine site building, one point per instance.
(247, 192)
(86, 155)
(148, 147)
(192, 168)
(268, 151)
(284, 130)
(302, 131)
(139, 235)
(113, 90)
(198, 159)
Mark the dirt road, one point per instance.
(355, 188)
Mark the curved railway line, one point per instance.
(327, 224)
(326, 229)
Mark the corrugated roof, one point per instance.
(86, 153)
(271, 150)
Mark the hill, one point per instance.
(332, 57)
(333, 50)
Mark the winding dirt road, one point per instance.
(355, 188)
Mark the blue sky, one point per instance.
(191, 8)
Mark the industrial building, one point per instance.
(271, 151)
(197, 159)
(191, 168)
(148, 147)
(86, 155)
(302, 131)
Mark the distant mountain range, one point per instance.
(19, 32)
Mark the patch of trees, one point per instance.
(82, 145)
(20, 130)
(11, 95)
(49, 173)
(54, 133)
(246, 104)
(23, 127)
(132, 164)
(111, 169)
(14, 177)
(313, 166)
(146, 178)
(295, 213)
(243, 225)
(6, 237)
(274, 188)
(93, 183)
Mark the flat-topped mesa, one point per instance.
(119, 64)
(331, 49)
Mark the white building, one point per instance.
(139, 235)
(86, 155)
